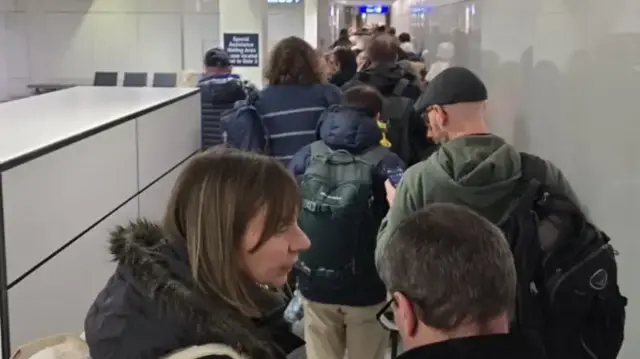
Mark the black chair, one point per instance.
(105, 79)
(165, 79)
(135, 79)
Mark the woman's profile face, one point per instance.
(271, 263)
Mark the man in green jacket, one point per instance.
(472, 167)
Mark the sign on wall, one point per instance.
(374, 9)
(243, 49)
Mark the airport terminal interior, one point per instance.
(100, 110)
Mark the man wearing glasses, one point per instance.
(472, 166)
(452, 282)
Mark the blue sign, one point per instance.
(243, 49)
(374, 9)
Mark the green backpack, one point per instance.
(337, 215)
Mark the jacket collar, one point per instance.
(501, 346)
(159, 269)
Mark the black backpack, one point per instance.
(396, 114)
(567, 273)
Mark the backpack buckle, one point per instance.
(543, 198)
(310, 205)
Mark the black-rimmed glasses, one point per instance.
(385, 317)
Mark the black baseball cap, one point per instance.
(216, 57)
(451, 86)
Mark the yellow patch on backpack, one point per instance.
(384, 142)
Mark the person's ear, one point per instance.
(405, 316)
(443, 117)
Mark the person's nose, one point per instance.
(300, 242)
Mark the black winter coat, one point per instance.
(150, 307)
(384, 78)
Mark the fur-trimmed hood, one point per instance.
(158, 268)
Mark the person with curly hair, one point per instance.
(295, 96)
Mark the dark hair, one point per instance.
(383, 48)
(404, 37)
(363, 98)
(294, 61)
(381, 28)
(346, 59)
(344, 33)
(392, 31)
(216, 57)
(452, 264)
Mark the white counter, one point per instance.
(37, 123)
(74, 164)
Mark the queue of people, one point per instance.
(392, 204)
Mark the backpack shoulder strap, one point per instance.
(398, 102)
(534, 170)
(533, 167)
(407, 103)
(402, 84)
(374, 155)
(319, 149)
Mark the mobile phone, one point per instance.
(394, 175)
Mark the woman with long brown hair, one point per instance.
(203, 275)
(296, 94)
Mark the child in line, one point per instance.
(342, 183)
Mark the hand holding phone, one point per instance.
(394, 175)
(391, 191)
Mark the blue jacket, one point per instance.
(345, 129)
(218, 93)
(290, 114)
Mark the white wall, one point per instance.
(563, 79)
(68, 40)
(285, 20)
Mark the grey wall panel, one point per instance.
(55, 298)
(53, 198)
(166, 137)
(153, 201)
